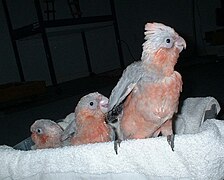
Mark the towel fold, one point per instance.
(194, 112)
(199, 155)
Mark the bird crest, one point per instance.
(155, 29)
(155, 36)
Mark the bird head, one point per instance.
(43, 129)
(162, 44)
(93, 103)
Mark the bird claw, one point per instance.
(170, 139)
(116, 144)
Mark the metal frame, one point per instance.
(13, 40)
(40, 27)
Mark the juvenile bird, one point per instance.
(89, 124)
(148, 90)
(46, 134)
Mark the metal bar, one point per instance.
(48, 14)
(70, 8)
(116, 30)
(13, 40)
(45, 42)
(34, 28)
(76, 21)
(53, 10)
(87, 53)
(26, 31)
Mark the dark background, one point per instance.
(201, 65)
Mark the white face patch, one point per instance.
(92, 104)
(168, 42)
(39, 131)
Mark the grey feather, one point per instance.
(131, 75)
(69, 131)
(134, 74)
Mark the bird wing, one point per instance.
(69, 130)
(130, 77)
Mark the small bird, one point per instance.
(89, 125)
(46, 134)
(143, 102)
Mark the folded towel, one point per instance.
(194, 112)
(196, 156)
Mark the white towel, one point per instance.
(193, 113)
(196, 156)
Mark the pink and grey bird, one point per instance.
(146, 97)
(46, 134)
(89, 125)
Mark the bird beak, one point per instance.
(180, 43)
(104, 104)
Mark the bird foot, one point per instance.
(117, 143)
(170, 139)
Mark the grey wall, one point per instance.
(66, 44)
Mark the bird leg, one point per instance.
(167, 130)
(117, 140)
(170, 139)
(113, 119)
(116, 144)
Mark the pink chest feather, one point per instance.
(92, 133)
(150, 105)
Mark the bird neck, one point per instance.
(86, 117)
(162, 61)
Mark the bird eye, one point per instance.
(168, 41)
(91, 103)
(39, 131)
